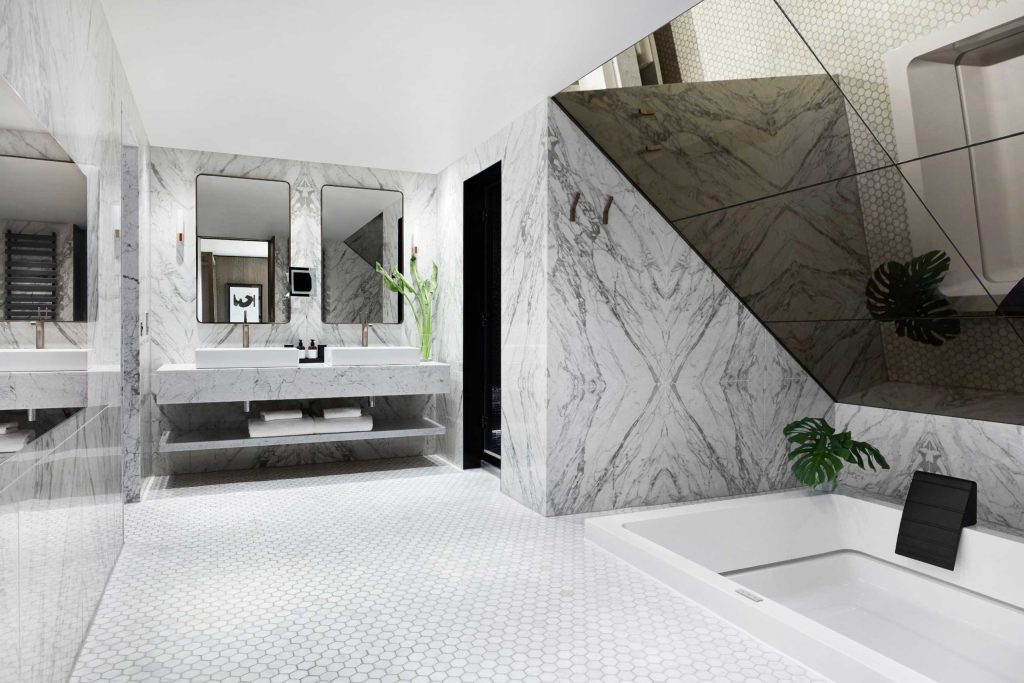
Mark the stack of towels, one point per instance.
(295, 423)
(13, 439)
(281, 423)
(343, 419)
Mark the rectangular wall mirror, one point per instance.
(43, 214)
(243, 228)
(360, 227)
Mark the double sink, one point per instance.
(288, 357)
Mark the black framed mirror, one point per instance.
(360, 227)
(243, 232)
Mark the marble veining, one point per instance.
(186, 384)
(66, 486)
(989, 453)
(521, 148)
(173, 330)
(722, 143)
(661, 386)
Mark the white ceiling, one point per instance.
(402, 84)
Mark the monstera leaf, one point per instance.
(820, 453)
(908, 294)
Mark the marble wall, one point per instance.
(173, 332)
(630, 374)
(990, 454)
(520, 147)
(61, 497)
(662, 386)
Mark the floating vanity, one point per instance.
(187, 384)
(53, 378)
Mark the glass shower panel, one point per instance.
(927, 76)
(974, 194)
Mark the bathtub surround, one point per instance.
(990, 454)
(61, 499)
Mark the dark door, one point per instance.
(482, 328)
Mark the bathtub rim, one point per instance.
(794, 635)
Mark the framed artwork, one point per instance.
(244, 302)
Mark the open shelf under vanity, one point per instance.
(205, 440)
(220, 394)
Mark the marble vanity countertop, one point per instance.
(184, 383)
(21, 390)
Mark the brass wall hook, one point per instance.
(607, 208)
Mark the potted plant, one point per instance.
(419, 294)
(819, 453)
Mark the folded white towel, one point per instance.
(13, 442)
(8, 427)
(259, 428)
(338, 425)
(272, 415)
(347, 411)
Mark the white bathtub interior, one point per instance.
(941, 630)
(834, 593)
(961, 86)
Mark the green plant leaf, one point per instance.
(807, 429)
(870, 455)
(820, 453)
(907, 294)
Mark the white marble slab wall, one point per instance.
(661, 386)
(65, 489)
(990, 453)
(174, 332)
(521, 147)
(131, 411)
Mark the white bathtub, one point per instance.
(815, 576)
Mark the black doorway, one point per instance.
(481, 258)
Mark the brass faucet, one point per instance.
(40, 331)
(366, 333)
(245, 329)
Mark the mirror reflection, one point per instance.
(43, 215)
(242, 250)
(360, 228)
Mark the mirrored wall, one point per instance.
(852, 173)
(43, 221)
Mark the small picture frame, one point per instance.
(245, 302)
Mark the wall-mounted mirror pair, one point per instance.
(43, 214)
(243, 252)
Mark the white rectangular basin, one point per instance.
(371, 355)
(263, 357)
(43, 360)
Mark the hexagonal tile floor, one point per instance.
(414, 572)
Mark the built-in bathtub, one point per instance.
(815, 575)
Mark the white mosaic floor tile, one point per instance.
(414, 573)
